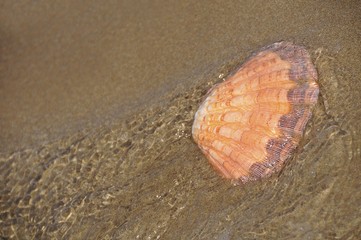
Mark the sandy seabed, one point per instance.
(97, 108)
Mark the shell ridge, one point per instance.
(233, 143)
(235, 164)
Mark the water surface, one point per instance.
(97, 107)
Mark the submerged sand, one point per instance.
(97, 107)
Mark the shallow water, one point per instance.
(142, 176)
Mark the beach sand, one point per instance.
(97, 104)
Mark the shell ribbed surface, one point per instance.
(250, 124)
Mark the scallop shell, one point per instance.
(250, 124)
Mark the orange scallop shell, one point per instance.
(250, 124)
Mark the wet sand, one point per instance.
(97, 107)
